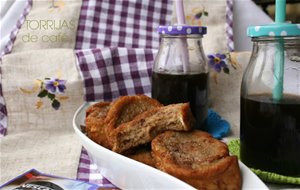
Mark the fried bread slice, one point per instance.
(196, 158)
(95, 122)
(125, 108)
(96, 108)
(144, 127)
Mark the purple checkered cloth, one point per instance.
(7, 49)
(122, 23)
(112, 72)
(89, 172)
(109, 73)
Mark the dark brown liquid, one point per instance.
(270, 133)
(192, 88)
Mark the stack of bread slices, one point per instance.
(163, 137)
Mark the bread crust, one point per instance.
(228, 178)
(96, 108)
(144, 127)
(125, 108)
(95, 123)
(196, 158)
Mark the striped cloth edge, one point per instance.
(229, 25)
(7, 49)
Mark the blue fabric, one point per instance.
(216, 126)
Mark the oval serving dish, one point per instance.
(126, 173)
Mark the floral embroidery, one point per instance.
(222, 62)
(196, 16)
(218, 62)
(55, 85)
(201, 13)
(50, 88)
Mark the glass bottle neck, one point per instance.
(286, 40)
(264, 43)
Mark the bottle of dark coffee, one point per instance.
(180, 72)
(270, 100)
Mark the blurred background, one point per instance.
(292, 9)
(254, 13)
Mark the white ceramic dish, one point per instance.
(126, 173)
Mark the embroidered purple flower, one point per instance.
(55, 85)
(51, 88)
(218, 62)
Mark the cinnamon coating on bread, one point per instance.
(95, 123)
(196, 158)
(143, 128)
(125, 109)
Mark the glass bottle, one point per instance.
(270, 100)
(180, 71)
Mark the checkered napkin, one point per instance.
(118, 23)
(112, 72)
(109, 73)
(89, 172)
